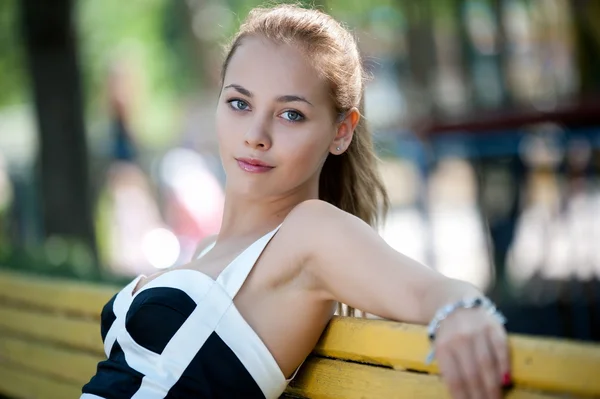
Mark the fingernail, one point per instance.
(506, 379)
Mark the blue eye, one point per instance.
(238, 105)
(293, 116)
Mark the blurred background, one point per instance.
(486, 114)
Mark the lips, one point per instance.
(253, 165)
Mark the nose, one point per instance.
(258, 135)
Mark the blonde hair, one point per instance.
(350, 181)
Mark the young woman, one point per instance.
(302, 193)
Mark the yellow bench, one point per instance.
(50, 345)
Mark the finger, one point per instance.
(487, 366)
(468, 368)
(499, 343)
(450, 374)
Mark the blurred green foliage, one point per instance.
(12, 71)
(143, 34)
(161, 40)
(59, 257)
(158, 37)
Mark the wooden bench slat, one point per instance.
(63, 315)
(540, 363)
(556, 365)
(54, 293)
(322, 378)
(378, 342)
(21, 384)
(84, 334)
(65, 364)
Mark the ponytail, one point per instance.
(352, 182)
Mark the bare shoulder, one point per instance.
(309, 212)
(317, 224)
(319, 214)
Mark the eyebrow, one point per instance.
(282, 99)
(240, 89)
(292, 98)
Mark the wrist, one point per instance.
(480, 302)
(446, 292)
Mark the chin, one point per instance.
(245, 188)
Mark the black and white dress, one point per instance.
(181, 336)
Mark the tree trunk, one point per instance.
(50, 42)
(421, 56)
(502, 55)
(466, 51)
(586, 15)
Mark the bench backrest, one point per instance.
(50, 345)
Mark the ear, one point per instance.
(345, 132)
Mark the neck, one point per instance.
(247, 216)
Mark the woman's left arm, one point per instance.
(354, 265)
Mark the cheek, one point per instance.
(226, 128)
(307, 153)
(221, 122)
(223, 131)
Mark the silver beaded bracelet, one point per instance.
(445, 311)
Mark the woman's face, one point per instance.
(275, 121)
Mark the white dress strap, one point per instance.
(234, 275)
(205, 250)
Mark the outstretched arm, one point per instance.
(354, 265)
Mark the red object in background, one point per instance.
(581, 114)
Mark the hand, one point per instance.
(471, 349)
